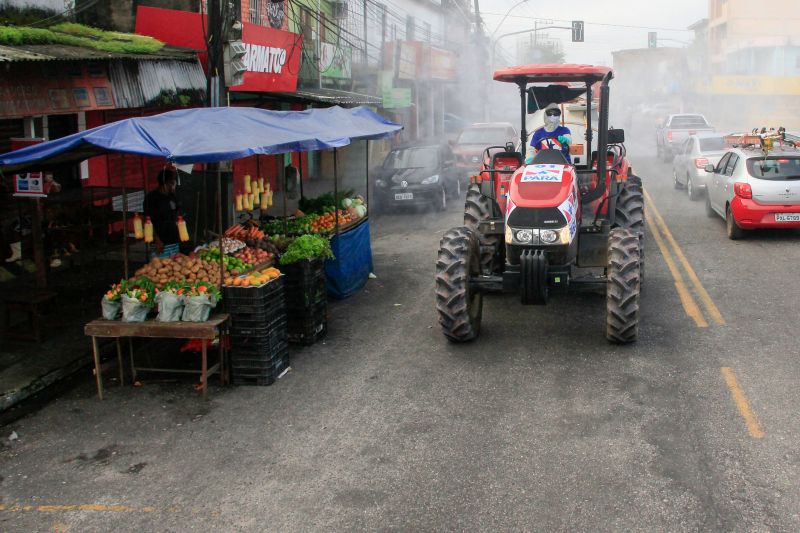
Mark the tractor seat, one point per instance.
(507, 155)
(549, 157)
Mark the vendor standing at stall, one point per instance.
(163, 208)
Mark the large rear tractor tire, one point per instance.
(623, 286)
(478, 208)
(460, 309)
(630, 214)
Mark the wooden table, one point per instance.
(160, 330)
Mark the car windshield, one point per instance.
(411, 158)
(774, 167)
(713, 144)
(484, 136)
(688, 121)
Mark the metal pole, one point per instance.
(366, 57)
(336, 189)
(366, 199)
(282, 174)
(523, 111)
(124, 218)
(219, 222)
(300, 172)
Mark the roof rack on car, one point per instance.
(763, 139)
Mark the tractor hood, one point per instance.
(540, 186)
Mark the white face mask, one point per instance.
(553, 119)
(551, 123)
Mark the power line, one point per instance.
(588, 23)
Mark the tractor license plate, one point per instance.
(787, 217)
(404, 196)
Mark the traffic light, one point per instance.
(652, 39)
(235, 66)
(577, 31)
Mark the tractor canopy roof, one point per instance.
(551, 74)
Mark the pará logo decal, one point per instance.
(542, 173)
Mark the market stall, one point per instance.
(213, 135)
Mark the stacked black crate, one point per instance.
(306, 301)
(259, 344)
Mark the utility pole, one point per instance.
(481, 50)
(366, 57)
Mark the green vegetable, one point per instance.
(307, 247)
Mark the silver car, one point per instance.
(751, 190)
(688, 167)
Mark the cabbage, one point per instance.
(361, 210)
(347, 202)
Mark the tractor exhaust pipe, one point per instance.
(602, 135)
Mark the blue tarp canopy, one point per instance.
(209, 135)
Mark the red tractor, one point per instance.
(544, 225)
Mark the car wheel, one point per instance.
(675, 182)
(441, 203)
(691, 190)
(733, 229)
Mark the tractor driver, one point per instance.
(552, 136)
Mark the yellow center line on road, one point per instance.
(740, 399)
(708, 303)
(687, 300)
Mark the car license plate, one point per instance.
(787, 217)
(404, 196)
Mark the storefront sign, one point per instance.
(30, 185)
(335, 61)
(442, 64)
(273, 55)
(755, 85)
(396, 97)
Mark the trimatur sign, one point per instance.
(272, 59)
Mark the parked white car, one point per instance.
(691, 158)
(751, 190)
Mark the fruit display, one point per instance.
(327, 223)
(180, 268)
(234, 264)
(254, 279)
(253, 256)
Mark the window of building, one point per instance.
(426, 31)
(255, 11)
(410, 27)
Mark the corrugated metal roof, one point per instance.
(138, 84)
(60, 52)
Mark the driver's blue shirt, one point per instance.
(548, 140)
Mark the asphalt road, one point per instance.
(538, 425)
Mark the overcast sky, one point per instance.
(662, 16)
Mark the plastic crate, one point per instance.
(303, 272)
(258, 328)
(260, 314)
(264, 347)
(248, 364)
(308, 327)
(259, 377)
(234, 296)
(305, 296)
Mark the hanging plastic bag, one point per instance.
(133, 310)
(111, 308)
(198, 308)
(170, 306)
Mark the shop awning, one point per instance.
(207, 135)
(328, 97)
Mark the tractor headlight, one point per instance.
(431, 179)
(522, 236)
(548, 236)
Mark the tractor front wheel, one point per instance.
(623, 286)
(478, 208)
(460, 308)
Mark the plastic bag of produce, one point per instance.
(170, 306)
(133, 310)
(111, 309)
(198, 308)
